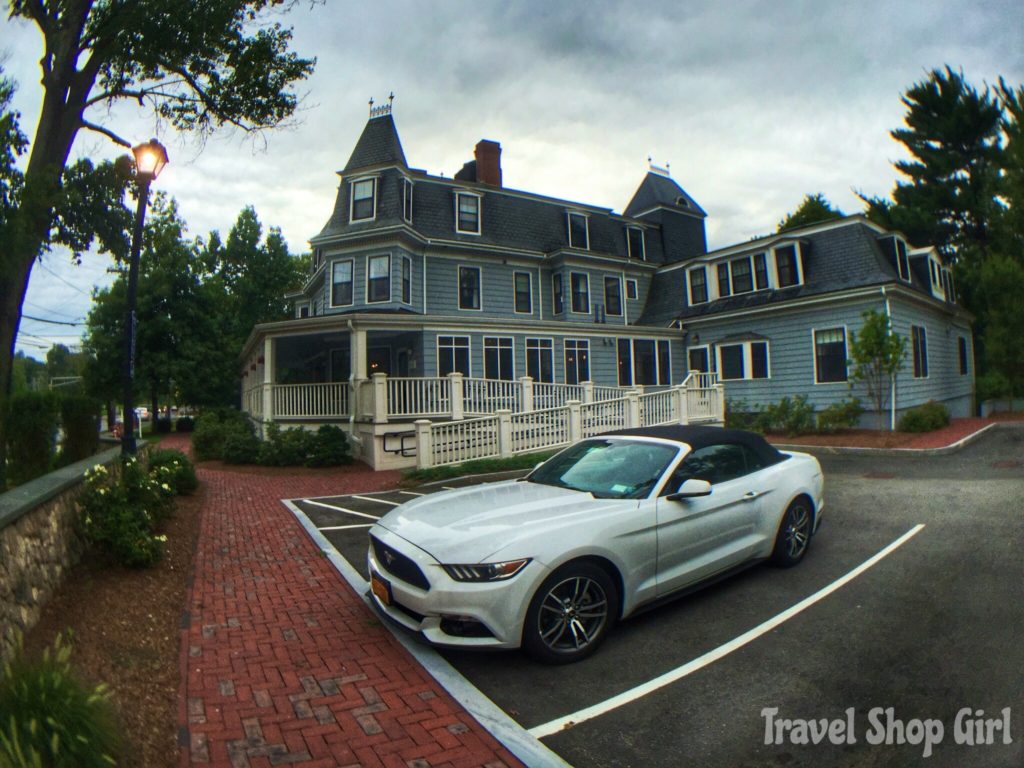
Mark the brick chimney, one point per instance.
(488, 162)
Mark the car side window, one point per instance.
(714, 463)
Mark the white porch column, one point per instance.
(588, 391)
(504, 433)
(380, 398)
(424, 445)
(526, 387)
(455, 388)
(357, 352)
(720, 393)
(268, 379)
(682, 404)
(633, 409)
(575, 421)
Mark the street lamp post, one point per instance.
(150, 159)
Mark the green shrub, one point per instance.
(241, 446)
(992, 386)
(790, 416)
(185, 424)
(841, 415)
(162, 425)
(925, 418)
(49, 718)
(120, 511)
(738, 415)
(286, 447)
(213, 427)
(174, 468)
(31, 435)
(330, 448)
(79, 416)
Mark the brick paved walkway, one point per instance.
(283, 663)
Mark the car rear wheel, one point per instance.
(570, 614)
(794, 534)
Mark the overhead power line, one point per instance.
(51, 322)
(68, 284)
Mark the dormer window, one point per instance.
(407, 201)
(579, 234)
(635, 243)
(467, 213)
(364, 200)
(902, 262)
(947, 284)
(742, 277)
(760, 271)
(698, 278)
(787, 266)
(682, 202)
(724, 288)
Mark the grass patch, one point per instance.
(478, 467)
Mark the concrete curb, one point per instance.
(941, 451)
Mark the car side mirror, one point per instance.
(690, 489)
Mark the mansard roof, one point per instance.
(659, 190)
(378, 145)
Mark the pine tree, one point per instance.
(812, 210)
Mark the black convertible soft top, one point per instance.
(700, 436)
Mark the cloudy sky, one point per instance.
(753, 104)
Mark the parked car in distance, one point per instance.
(607, 526)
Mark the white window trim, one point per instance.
(657, 359)
(352, 198)
(590, 298)
(406, 260)
(330, 283)
(814, 355)
(643, 243)
(748, 357)
(749, 258)
(469, 351)
(391, 278)
(512, 342)
(928, 368)
(622, 298)
(407, 185)
(554, 293)
(529, 276)
(479, 287)
(706, 348)
(298, 308)
(906, 257)
(479, 213)
(774, 272)
(539, 350)
(935, 276)
(636, 289)
(767, 271)
(586, 229)
(565, 350)
(707, 286)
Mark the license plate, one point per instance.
(380, 588)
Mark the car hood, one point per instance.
(467, 525)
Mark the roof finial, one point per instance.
(383, 109)
(657, 169)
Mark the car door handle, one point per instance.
(751, 495)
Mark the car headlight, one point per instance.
(486, 571)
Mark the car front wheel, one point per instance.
(794, 534)
(570, 614)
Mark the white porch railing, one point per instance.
(547, 395)
(303, 401)
(705, 398)
(605, 416)
(408, 396)
(538, 430)
(659, 407)
(454, 442)
(484, 396)
(252, 401)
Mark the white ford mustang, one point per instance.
(607, 526)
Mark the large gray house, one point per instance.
(420, 276)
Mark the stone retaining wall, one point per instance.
(38, 545)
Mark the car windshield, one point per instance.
(607, 469)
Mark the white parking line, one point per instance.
(412, 493)
(448, 487)
(568, 721)
(371, 498)
(340, 509)
(344, 527)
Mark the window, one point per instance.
(558, 306)
(407, 200)
(643, 361)
(635, 243)
(341, 283)
(742, 279)
(540, 360)
(613, 295)
(577, 361)
(919, 340)
(698, 359)
(498, 358)
(698, 285)
(406, 280)
(664, 363)
(364, 199)
(744, 360)
(469, 287)
(625, 359)
(523, 289)
(933, 269)
(723, 280)
(303, 309)
(580, 285)
(579, 237)
(902, 262)
(786, 266)
(962, 346)
(452, 355)
(760, 271)
(830, 355)
(467, 213)
(378, 279)
(631, 292)
(715, 464)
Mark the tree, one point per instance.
(196, 66)
(812, 210)
(876, 354)
(1011, 234)
(1002, 281)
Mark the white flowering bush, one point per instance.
(173, 468)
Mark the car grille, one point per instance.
(398, 565)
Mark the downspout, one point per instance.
(625, 297)
(352, 387)
(892, 391)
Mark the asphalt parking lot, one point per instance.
(930, 629)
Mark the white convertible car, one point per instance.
(600, 530)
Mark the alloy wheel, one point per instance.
(572, 614)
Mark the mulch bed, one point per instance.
(124, 629)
